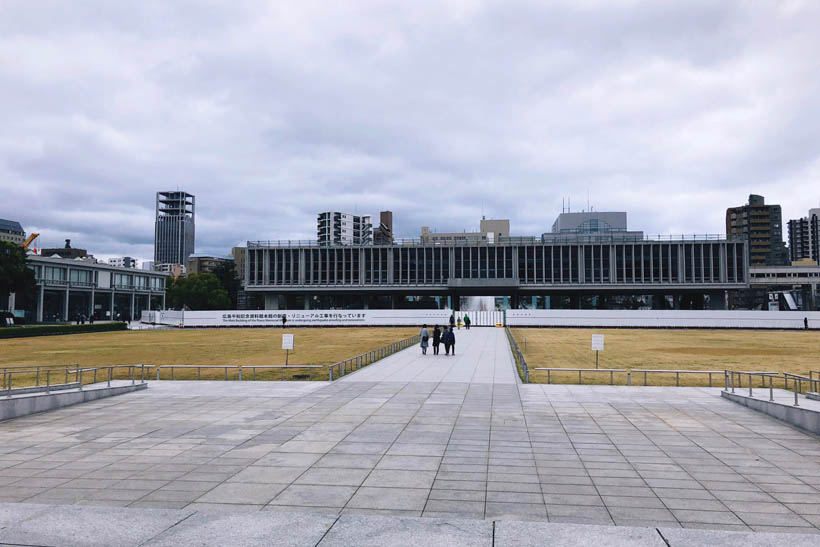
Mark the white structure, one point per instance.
(337, 228)
(123, 262)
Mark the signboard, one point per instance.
(287, 341)
(303, 318)
(597, 342)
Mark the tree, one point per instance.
(197, 292)
(15, 276)
(226, 273)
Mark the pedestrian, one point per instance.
(436, 339)
(806, 323)
(284, 320)
(467, 321)
(449, 339)
(452, 320)
(424, 337)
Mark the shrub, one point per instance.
(52, 330)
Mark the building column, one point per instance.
(91, 304)
(133, 301)
(307, 301)
(40, 299)
(163, 301)
(149, 301)
(65, 306)
(111, 309)
(12, 303)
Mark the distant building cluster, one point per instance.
(588, 258)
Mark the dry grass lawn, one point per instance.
(315, 346)
(797, 352)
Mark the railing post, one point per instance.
(226, 374)
(611, 378)
(158, 371)
(110, 373)
(677, 379)
(710, 379)
(549, 380)
(133, 375)
(330, 373)
(732, 377)
(629, 377)
(11, 375)
(644, 378)
(80, 379)
(38, 377)
(48, 380)
(579, 377)
(198, 373)
(142, 374)
(240, 373)
(66, 375)
(94, 381)
(771, 391)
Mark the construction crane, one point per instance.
(25, 245)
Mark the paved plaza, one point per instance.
(450, 438)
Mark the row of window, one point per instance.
(708, 262)
(90, 278)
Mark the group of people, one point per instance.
(441, 335)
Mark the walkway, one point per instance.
(482, 357)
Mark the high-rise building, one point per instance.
(337, 228)
(804, 237)
(762, 226)
(383, 235)
(10, 230)
(123, 262)
(174, 227)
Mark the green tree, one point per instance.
(15, 276)
(226, 273)
(197, 292)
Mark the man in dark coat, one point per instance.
(436, 339)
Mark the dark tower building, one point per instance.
(762, 226)
(383, 235)
(174, 227)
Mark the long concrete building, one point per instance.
(692, 273)
(70, 289)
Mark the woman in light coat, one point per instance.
(424, 338)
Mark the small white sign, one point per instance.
(597, 342)
(287, 341)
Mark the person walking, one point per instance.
(467, 321)
(445, 339)
(284, 320)
(806, 323)
(424, 337)
(436, 339)
(452, 320)
(451, 342)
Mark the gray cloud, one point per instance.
(270, 113)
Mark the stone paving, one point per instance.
(496, 451)
(482, 356)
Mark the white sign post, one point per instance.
(597, 345)
(287, 345)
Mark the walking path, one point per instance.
(482, 357)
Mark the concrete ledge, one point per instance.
(803, 418)
(813, 396)
(42, 389)
(18, 406)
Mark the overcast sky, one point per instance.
(272, 111)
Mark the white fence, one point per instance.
(297, 318)
(663, 319)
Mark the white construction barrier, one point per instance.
(663, 319)
(297, 318)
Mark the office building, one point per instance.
(11, 231)
(174, 270)
(66, 252)
(337, 228)
(591, 226)
(490, 231)
(383, 235)
(804, 238)
(205, 263)
(123, 262)
(147, 265)
(174, 227)
(760, 225)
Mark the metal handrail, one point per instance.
(676, 372)
(521, 363)
(8, 376)
(732, 374)
(364, 359)
(611, 372)
(797, 383)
